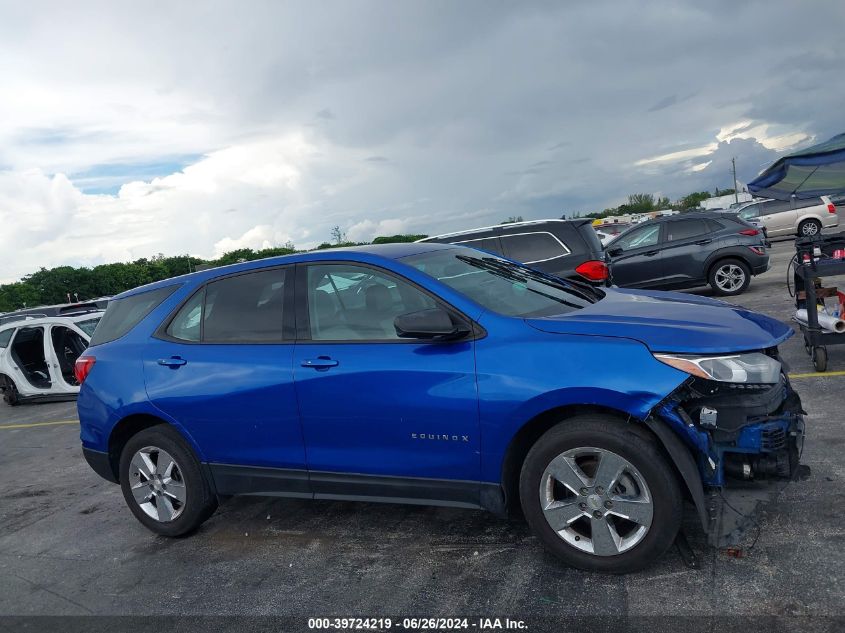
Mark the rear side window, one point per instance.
(88, 326)
(489, 244)
(5, 337)
(684, 229)
(241, 309)
(530, 248)
(124, 314)
(775, 206)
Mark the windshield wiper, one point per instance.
(517, 272)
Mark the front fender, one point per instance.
(518, 381)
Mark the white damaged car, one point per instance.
(37, 356)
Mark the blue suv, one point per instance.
(439, 374)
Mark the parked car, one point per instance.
(566, 248)
(686, 251)
(37, 356)
(439, 374)
(606, 232)
(791, 217)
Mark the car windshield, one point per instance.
(503, 286)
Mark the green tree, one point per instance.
(640, 203)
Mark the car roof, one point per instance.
(371, 252)
(54, 320)
(506, 227)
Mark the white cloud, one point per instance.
(246, 125)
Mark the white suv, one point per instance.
(37, 356)
(791, 217)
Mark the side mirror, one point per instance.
(615, 252)
(432, 324)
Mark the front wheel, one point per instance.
(730, 277)
(600, 495)
(163, 484)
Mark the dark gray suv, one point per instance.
(689, 250)
(566, 248)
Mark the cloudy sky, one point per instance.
(134, 128)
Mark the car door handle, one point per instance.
(651, 253)
(173, 361)
(703, 242)
(321, 363)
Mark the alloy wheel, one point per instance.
(809, 228)
(596, 501)
(729, 277)
(157, 484)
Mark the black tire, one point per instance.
(199, 500)
(10, 393)
(820, 358)
(729, 267)
(808, 228)
(626, 440)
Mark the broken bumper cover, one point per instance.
(745, 439)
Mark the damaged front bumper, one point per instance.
(744, 438)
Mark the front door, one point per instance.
(636, 259)
(687, 244)
(222, 370)
(381, 416)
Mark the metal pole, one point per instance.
(736, 191)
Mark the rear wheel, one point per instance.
(600, 495)
(163, 484)
(808, 228)
(10, 393)
(730, 277)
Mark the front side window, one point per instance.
(244, 308)
(684, 229)
(751, 211)
(5, 337)
(529, 248)
(502, 286)
(347, 302)
(638, 238)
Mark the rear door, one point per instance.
(222, 369)
(687, 243)
(778, 216)
(636, 258)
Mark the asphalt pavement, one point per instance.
(69, 545)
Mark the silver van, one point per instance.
(790, 217)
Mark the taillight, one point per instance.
(831, 208)
(593, 270)
(751, 232)
(82, 367)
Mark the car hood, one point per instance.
(670, 322)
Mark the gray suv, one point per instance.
(689, 250)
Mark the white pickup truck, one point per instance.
(790, 217)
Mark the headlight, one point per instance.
(753, 367)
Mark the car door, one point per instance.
(778, 216)
(636, 258)
(221, 368)
(66, 344)
(687, 243)
(381, 416)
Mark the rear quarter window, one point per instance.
(5, 337)
(124, 314)
(529, 248)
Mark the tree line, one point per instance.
(49, 286)
(645, 202)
